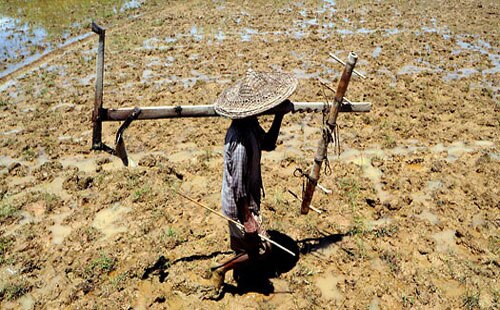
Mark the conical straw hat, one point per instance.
(255, 93)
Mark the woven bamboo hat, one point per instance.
(255, 93)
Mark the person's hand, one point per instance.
(283, 108)
(251, 225)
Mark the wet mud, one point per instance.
(412, 220)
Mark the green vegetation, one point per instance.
(13, 291)
(141, 193)
(352, 189)
(28, 153)
(389, 141)
(170, 232)
(43, 13)
(7, 209)
(408, 301)
(118, 281)
(51, 201)
(385, 231)
(4, 245)
(358, 226)
(471, 301)
(392, 261)
(103, 264)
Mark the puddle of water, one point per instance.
(7, 160)
(247, 34)
(445, 241)
(27, 302)
(374, 304)
(478, 220)
(12, 132)
(482, 47)
(59, 231)
(107, 220)
(55, 188)
(376, 52)
(457, 149)
(428, 216)
(434, 185)
(303, 75)
(421, 197)
(459, 74)
(363, 159)
(196, 33)
(328, 286)
(410, 69)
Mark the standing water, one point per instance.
(30, 29)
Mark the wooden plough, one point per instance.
(101, 114)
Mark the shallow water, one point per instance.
(28, 31)
(107, 220)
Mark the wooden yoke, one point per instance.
(101, 114)
(331, 122)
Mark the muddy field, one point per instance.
(413, 220)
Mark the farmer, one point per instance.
(245, 140)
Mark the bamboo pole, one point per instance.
(163, 112)
(331, 122)
(342, 62)
(310, 206)
(234, 222)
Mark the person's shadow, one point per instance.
(256, 277)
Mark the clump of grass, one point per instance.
(4, 245)
(358, 226)
(28, 153)
(103, 264)
(351, 188)
(392, 261)
(13, 291)
(408, 301)
(170, 233)
(51, 201)
(141, 193)
(471, 301)
(117, 282)
(7, 210)
(389, 142)
(385, 231)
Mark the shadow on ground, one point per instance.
(255, 277)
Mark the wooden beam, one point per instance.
(162, 112)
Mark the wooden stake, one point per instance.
(96, 114)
